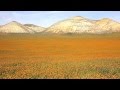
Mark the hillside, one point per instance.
(35, 27)
(80, 24)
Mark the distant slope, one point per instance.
(73, 25)
(35, 28)
(15, 27)
(80, 24)
(107, 25)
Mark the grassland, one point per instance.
(35, 56)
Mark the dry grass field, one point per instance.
(34, 56)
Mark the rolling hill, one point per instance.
(80, 24)
(72, 25)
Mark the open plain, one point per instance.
(83, 56)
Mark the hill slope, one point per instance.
(80, 24)
(15, 27)
(35, 27)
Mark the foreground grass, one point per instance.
(60, 57)
(49, 68)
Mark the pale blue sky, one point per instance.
(47, 18)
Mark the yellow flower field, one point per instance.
(59, 56)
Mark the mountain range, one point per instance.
(75, 24)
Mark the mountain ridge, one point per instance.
(84, 25)
(76, 24)
(16, 27)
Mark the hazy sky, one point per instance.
(47, 18)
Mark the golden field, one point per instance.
(34, 56)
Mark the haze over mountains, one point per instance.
(76, 24)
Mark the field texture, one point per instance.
(34, 56)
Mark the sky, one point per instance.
(47, 18)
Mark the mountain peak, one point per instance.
(77, 18)
(106, 19)
(13, 22)
(30, 25)
(80, 24)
